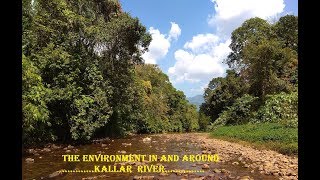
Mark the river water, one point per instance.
(46, 162)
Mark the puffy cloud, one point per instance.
(158, 47)
(175, 31)
(160, 44)
(196, 67)
(202, 42)
(202, 57)
(230, 14)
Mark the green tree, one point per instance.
(221, 93)
(271, 69)
(252, 31)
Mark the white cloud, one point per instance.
(196, 67)
(160, 44)
(202, 42)
(202, 57)
(175, 31)
(230, 14)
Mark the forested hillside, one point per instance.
(83, 75)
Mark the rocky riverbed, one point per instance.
(235, 161)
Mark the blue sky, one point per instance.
(191, 38)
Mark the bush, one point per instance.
(240, 112)
(282, 108)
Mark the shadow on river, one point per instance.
(48, 161)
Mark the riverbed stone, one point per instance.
(103, 145)
(163, 174)
(143, 177)
(31, 151)
(205, 166)
(29, 160)
(235, 163)
(46, 150)
(245, 178)
(55, 174)
(216, 171)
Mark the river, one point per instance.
(47, 161)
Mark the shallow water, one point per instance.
(48, 162)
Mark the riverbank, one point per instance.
(273, 136)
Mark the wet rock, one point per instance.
(29, 160)
(252, 171)
(205, 166)
(246, 166)
(126, 144)
(68, 151)
(70, 147)
(122, 152)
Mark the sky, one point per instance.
(190, 38)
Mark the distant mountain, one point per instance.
(196, 100)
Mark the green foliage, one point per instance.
(253, 31)
(280, 108)
(35, 114)
(221, 93)
(271, 69)
(79, 61)
(267, 135)
(204, 122)
(239, 113)
(287, 31)
(164, 108)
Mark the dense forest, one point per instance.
(261, 84)
(83, 75)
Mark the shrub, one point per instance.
(240, 112)
(281, 108)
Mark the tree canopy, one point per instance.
(81, 78)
